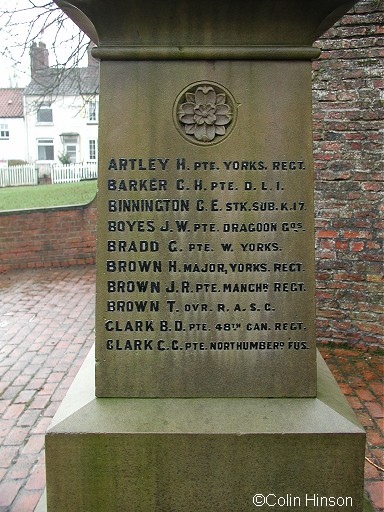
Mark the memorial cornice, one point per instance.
(205, 53)
(196, 30)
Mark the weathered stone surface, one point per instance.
(219, 254)
(201, 454)
(205, 127)
(205, 192)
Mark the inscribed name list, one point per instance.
(205, 264)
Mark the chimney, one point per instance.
(39, 57)
(92, 62)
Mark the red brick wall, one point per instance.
(48, 237)
(348, 150)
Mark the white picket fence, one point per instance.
(73, 172)
(28, 174)
(17, 175)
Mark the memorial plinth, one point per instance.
(208, 392)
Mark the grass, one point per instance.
(41, 196)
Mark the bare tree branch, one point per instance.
(24, 22)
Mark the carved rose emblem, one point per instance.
(205, 113)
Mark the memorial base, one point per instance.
(176, 455)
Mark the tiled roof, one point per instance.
(11, 103)
(64, 82)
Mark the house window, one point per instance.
(45, 150)
(92, 111)
(71, 151)
(93, 149)
(4, 131)
(44, 113)
(70, 145)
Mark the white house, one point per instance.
(13, 142)
(61, 110)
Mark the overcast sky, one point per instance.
(16, 30)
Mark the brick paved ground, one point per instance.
(47, 328)
(359, 372)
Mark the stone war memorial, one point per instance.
(205, 392)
